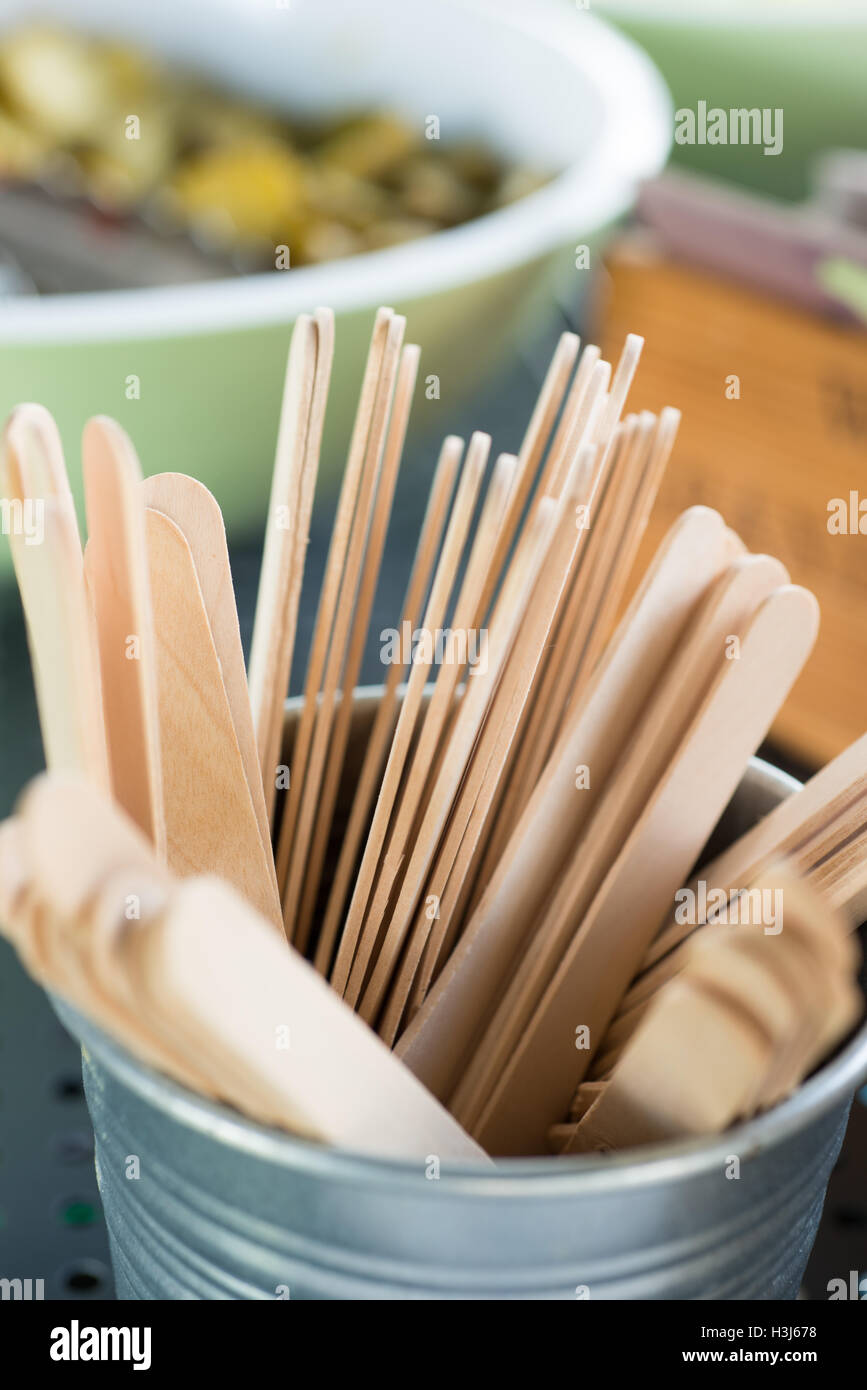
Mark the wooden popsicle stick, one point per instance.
(109, 998)
(195, 512)
(117, 575)
(304, 795)
(812, 849)
(534, 1089)
(59, 631)
(584, 1097)
(508, 614)
(845, 884)
(795, 984)
(784, 831)
(648, 1100)
(49, 570)
(739, 968)
(80, 856)
(302, 414)
(422, 772)
(330, 592)
(334, 1081)
(15, 882)
(38, 439)
(35, 932)
(72, 837)
(394, 442)
(209, 817)
(386, 712)
(438, 1043)
(804, 984)
(435, 609)
(67, 837)
(726, 610)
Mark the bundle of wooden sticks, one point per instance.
(486, 890)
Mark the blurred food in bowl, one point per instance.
(193, 371)
(106, 131)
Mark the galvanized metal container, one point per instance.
(221, 1208)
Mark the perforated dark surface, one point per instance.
(51, 1223)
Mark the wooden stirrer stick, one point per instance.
(301, 417)
(330, 592)
(397, 428)
(386, 711)
(116, 568)
(304, 797)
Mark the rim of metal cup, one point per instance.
(548, 1175)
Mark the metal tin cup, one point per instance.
(225, 1208)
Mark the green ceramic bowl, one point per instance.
(541, 83)
(810, 59)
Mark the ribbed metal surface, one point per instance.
(224, 1209)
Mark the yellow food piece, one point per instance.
(245, 192)
(56, 82)
(343, 197)
(368, 145)
(129, 72)
(430, 189)
(136, 152)
(205, 119)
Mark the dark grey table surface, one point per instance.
(51, 1224)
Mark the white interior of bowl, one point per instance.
(545, 84)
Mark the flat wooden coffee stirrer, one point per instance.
(452, 867)
(435, 609)
(386, 711)
(50, 573)
(397, 427)
(344, 650)
(633, 469)
(195, 512)
(116, 568)
(510, 609)
(330, 593)
(442, 701)
(210, 821)
(533, 446)
(71, 845)
(615, 535)
(302, 414)
(332, 1080)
